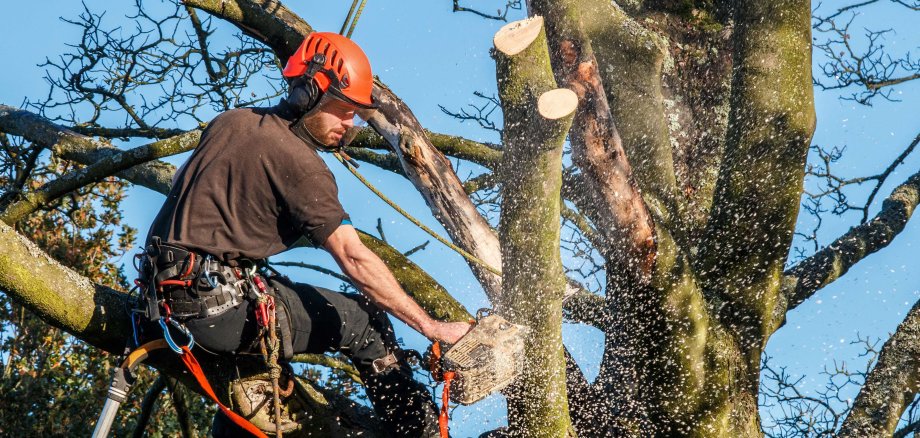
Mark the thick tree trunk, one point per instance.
(537, 118)
(760, 183)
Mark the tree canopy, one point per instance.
(645, 176)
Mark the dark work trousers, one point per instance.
(326, 321)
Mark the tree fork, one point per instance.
(537, 119)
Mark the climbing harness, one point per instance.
(485, 360)
(225, 287)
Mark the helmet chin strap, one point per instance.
(298, 128)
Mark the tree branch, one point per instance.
(827, 265)
(480, 153)
(180, 404)
(156, 175)
(329, 362)
(891, 386)
(95, 172)
(537, 119)
(623, 220)
(630, 61)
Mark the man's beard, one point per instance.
(301, 128)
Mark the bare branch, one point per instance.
(500, 15)
(483, 113)
(316, 268)
(891, 386)
(872, 69)
(832, 262)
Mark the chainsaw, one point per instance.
(485, 360)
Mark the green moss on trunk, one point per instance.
(533, 280)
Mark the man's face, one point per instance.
(330, 120)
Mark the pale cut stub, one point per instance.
(558, 103)
(514, 37)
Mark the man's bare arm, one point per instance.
(375, 280)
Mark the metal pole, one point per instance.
(118, 392)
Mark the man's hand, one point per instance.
(448, 332)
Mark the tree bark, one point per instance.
(537, 118)
(760, 182)
(891, 386)
(630, 60)
(619, 211)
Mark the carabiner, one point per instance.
(168, 337)
(206, 272)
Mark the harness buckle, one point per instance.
(384, 363)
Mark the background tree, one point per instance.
(680, 190)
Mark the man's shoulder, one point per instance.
(236, 116)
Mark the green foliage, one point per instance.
(53, 384)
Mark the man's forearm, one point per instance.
(375, 280)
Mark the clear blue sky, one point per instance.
(429, 56)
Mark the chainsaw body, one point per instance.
(485, 360)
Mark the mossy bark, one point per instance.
(529, 232)
(757, 195)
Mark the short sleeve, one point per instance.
(314, 207)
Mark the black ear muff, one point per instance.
(303, 95)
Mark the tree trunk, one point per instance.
(537, 118)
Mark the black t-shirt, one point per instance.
(251, 189)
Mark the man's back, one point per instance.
(251, 189)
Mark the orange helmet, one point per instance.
(337, 65)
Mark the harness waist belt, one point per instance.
(197, 285)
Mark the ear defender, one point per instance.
(303, 96)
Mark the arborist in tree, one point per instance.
(253, 188)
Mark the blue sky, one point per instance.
(430, 56)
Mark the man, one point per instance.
(253, 188)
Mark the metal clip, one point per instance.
(168, 337)
(207, 273)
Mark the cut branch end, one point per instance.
(557, 104)
(514, 37)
